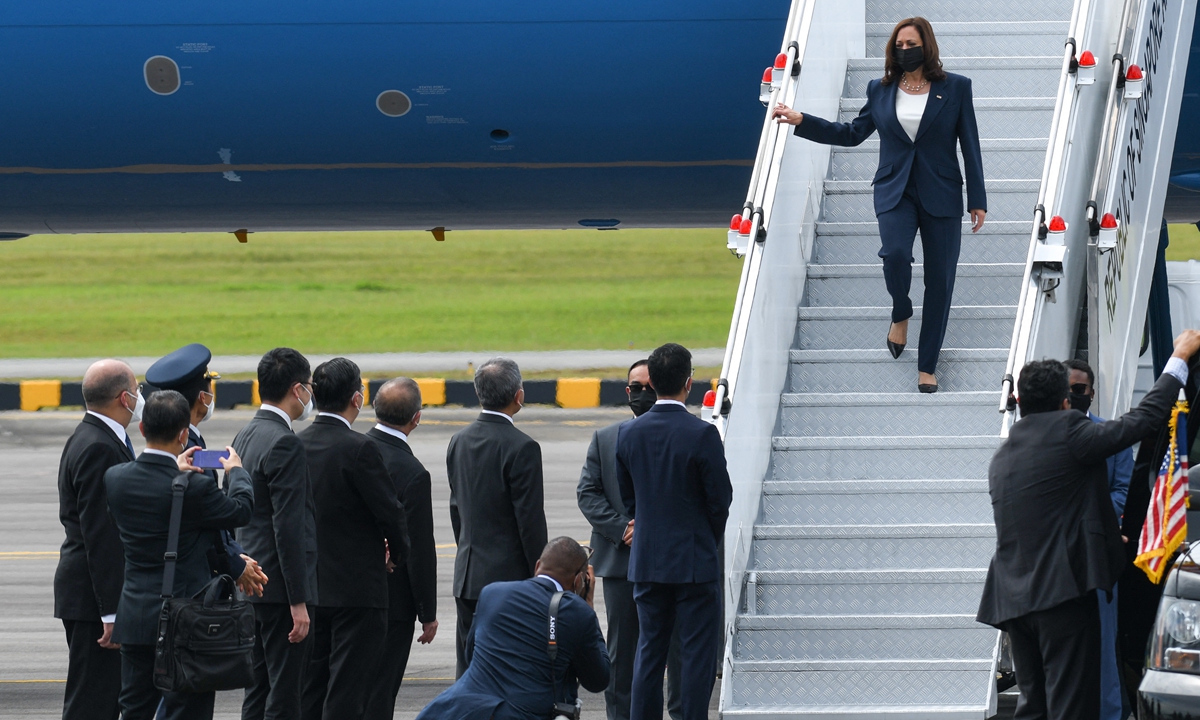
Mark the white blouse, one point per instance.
(909, 110)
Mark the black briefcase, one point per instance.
(206, 642)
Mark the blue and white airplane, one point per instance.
(302, 115)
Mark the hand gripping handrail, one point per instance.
(1031, 300)
(759, 202)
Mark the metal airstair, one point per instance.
(861, 528)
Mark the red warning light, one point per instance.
(781, 61)
(745, 227)
(736, 222)
(1108, 222)
(767, 75)
(1087, 59)
(710, 399)
(1057, 224)
(1133, 73)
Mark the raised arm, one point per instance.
(811, 127)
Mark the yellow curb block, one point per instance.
(38, 394)
(578, 392)
(433, 390)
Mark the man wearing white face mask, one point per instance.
(91, 564)
(359, 518)
(186, 372)
(282, 534)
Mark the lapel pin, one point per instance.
(939, 97)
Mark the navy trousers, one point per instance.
(694, 609)
(941, 239)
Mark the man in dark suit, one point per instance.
(671, 470)
(87, 583)
(599, 497)
(1057, 539)
(359, 519)
(412, 587)
(282, 535)
(511, 675)
(186, 372)
(496, 495)
(139, 497)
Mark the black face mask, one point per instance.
(909, 59)
(642, 401)
(1080, 402)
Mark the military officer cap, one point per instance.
(185, 365)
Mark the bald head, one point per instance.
(398, 402)
(563, 557)
(105, 381)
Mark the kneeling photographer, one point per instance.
(139, 498)
(532, 644)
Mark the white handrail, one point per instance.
(759, 202)
(1030, 302)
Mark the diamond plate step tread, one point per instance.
(850, 644)
(871, 227)
(878, 400)
(896, 442)
(999, 63)
(949, 29)
(965, 270)
(975, 248)
(779, 488)
(942, 11)
(867, 330)
(855, 104)
(829, 683)
(979, 312)
(874, 501)
(871, 145)
(883, 356)
(898, 552)
(1013, 164)
(997, 187)
(838, 578)
(946, 621)
(859, 285)
(859, 206)
(937, 414)
(856, 712)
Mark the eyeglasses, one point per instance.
(636, 388)
(1080, 389)
(136, 391)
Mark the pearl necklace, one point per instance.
(905, 84)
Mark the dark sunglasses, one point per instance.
(1080, 389)
(638, 387)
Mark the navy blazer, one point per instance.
(671, 469)
(139, 498)
(949, 118)
(508, 677)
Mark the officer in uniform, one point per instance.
(186, 371)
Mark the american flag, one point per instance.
(1166, 519)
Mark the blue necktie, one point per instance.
(129, 444)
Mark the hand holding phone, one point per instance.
(209, 459)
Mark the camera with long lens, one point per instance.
(568, 711)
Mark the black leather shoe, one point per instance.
(927, 387)
(894, 348)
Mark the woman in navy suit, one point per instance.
(920, 111)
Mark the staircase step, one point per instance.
(834, 328)
(996, 118)
(874, 458)
(858, 242)
(1012, 164)
(870, 414)
(857, 637)
(854, 202)
(867, 592)
(863, 286)
(834, 684)
(873, 547)
(854, 502)
(959, 370)
(990, 76)
(979, 11)
(960, 39)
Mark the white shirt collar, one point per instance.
(278, 411)
(152, 451)
(669, 402)
(390, 431)
(194, 429)
(557, 585)
(113, 425)
(335, 415)
(506, 417)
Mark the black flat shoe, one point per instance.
(894, 348)
(927, 387)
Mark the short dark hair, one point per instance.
(334, 384)
(636, 365)
(670, 367)
(1081, 366)
(1042, 387)
(497, 382)
(278, 371)
(167, 413)
(398, 401)
(191, 389)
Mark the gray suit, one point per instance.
(497, 511)
(600, 502)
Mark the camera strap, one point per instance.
(178, 486)
(552, 648)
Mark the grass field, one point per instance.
(74, 296)
(1185, 243)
